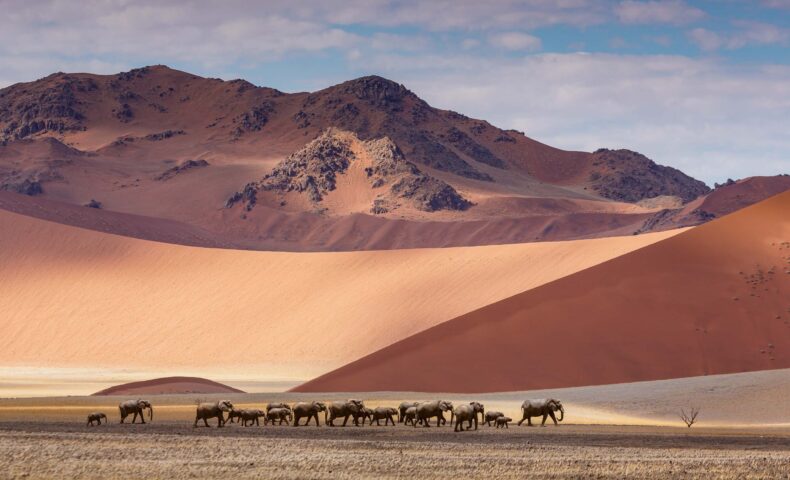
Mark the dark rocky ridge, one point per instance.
(628, 176)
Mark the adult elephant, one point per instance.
(251, 416)
(213, 410)
(467, 413)
(136, 407)
(545, 407)
(349, 408)
(308, 410)
(281, 414)
(402, 409)
(428, 410)
(383, 413)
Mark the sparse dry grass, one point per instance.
(174, 450)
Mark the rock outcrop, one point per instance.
(183, 167)
(629, 176)
(314, 169)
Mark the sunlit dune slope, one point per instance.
(77, 298)
(715, 299)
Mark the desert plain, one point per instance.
(616, 431)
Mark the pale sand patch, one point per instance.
(753, 399)
(75, 299)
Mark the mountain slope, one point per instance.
(161, 143)
(714, 299)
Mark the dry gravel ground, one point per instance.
(174, 450)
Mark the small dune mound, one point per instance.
(169, 386)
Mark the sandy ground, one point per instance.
(125, 309)
(174, 451)
(615, 431)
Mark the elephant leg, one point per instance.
(553, 417)
(345, 420)
(205, 421)
(545, 416)
(196, 420)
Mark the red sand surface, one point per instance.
(714, 299)
(169, 386)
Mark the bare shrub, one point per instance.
(689, 417)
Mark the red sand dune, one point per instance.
(714, 299)
(169, 386)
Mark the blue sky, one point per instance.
(700, 85)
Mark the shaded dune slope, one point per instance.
(715, 299)
(108, 301)
(169, 386)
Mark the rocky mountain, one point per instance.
(261, 168)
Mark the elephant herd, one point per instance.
(407, 413)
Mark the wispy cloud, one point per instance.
(515, 41)
(746, 33)
(675, 12)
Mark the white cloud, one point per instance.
(709, 119)
(675, 12)
(747, 33)
(515, 41)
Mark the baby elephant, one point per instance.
(96, 417)
(492, 416)
(233, 415)
(282, 414)
(501, 422)
(252, 416)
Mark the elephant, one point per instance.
(402, 409)
(213, 410)
(545, 407)
(467, 413)
(234, 414)
(136, 407)
(428, 410)
(366, 414)
(502, 421)
(252, 415)
(384, 413)
(96, 417)
(309, 410)
(277, 405)
(410, 416)
(281, 414)
(491, 417)
(349, 408)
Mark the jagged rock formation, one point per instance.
(629, 176)
(183, 167)
(423, 191)
(313, 171)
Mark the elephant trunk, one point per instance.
(562, 413)
(326, 416)
(150, 414)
